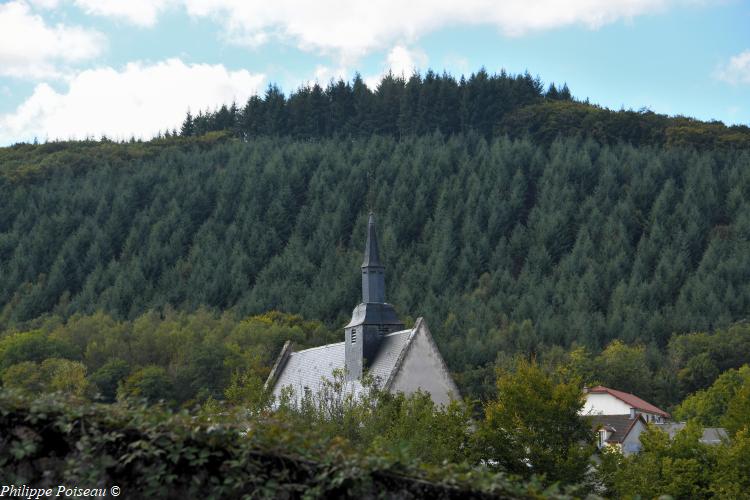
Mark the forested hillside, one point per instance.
(587, 242)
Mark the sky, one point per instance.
(72, 69)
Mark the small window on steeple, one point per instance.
(354, 335)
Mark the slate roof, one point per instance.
(711, 435)
(618, 425)
(630, 399)
(307, 368)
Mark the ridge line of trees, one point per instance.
(489, 104)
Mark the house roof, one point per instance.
(629, 399)
(711, 435)
(619, 425)
(309, 367)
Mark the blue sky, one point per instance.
(78, 68)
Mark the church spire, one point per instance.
(372, 256)
(373, 318)
(373, 272)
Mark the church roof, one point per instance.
(374, 313)
(308, 368)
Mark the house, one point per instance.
(619, 418)
(375, 341)
(602, 400)
(622, 432)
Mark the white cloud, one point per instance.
(324, 74)
(350, 29)
(737, 70)
(45, 4)
(400, 61)
(139, 100)
(139, 12)
(353, 28)
(404, 62)
(31, 48)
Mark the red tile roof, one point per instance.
(630, 399)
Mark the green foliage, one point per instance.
(732, 473)
(33, 345)
(503, 245)
(412, 426)
(544, 121)
(709, 406)
(178, 357)
(108, 378)
(51, 375)
(150, 383)
(737, 417)
(153, 453)
(681, 467)
(700, 357)
(623, 367)
(247, 389)
(534, 428)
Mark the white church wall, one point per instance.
(422, 368)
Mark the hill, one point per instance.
(542, 222)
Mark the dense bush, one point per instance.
(152, 452)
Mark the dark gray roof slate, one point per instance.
(388, 353)
(307, 368)
(374, 313)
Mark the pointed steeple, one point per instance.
(372, 256)
(373, 272)
(373, 318)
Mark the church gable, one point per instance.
(375, 341)
(421, 367)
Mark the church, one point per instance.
(375, 342)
